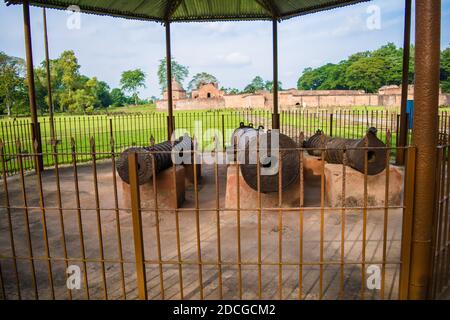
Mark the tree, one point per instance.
(117, 97)
(100, 90)
(82, 101)
(131, 81)
(179, 73)
(230, 91)
(269, 86)
(201, 79)
(68, 72)
(445, 70)
(12, 89)
(363, 70)
(257, 84)
(367, 74)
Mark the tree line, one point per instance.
(74, 92)
(368, 70)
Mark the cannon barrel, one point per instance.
(241, 136)
(270, 162)
(355, 151)
(162, 158)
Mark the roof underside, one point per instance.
(195, 10)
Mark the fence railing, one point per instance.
(137, 129)
(441, 234)
(79, 232)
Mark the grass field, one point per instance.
(130, 129)
(134, 125)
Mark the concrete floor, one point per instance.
(110, 219)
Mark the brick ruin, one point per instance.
(209, 96)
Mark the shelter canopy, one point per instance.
(195, 10)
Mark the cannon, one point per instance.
(269, 162)
(162, 154)
(241, 136)
(355, 151)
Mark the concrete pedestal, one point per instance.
(189, 173)
(166, 190)
(249, 197)
(312, 166)
(354, 187)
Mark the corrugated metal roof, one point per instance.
(195, 10)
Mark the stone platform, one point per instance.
(249, 197)
(354, 187)
(166, 190)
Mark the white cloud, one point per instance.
(235, 59)
(107, 46)
(219, 27)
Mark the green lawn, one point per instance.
(133, 126)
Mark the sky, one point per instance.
(234, 52)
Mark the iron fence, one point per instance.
(136, 129)
(224, 241)
(441, 234)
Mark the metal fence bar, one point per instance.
(137, 226)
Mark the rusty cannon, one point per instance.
(355, 150)
(162, 154)
(279, 156)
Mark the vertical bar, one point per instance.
(27, 220)
(49, 81)
(158, 233)
(427, 55)
(343, 211)
(322, 222)
(8, 212)
(331, 124)
(44, 222)
(386, 214)
(238, 216)
(364, 227)
(79, 217)
(197, 224)
(137, 225)
(177, 228)
(116, 208)
(98, 214)
(301, 215)
(223, 133)
(258, 175)
(402, 139)
(275, 114)
(170, 124)
(30, 80)
(280, 226)
(219, 252)
(407, 224)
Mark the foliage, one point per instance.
(13, 93)
(368, 70)
(269, 86)
(257, 84)
(131, 81)
(117, 97)
(445, 70)
(201, 79)
(230, 91)
(179, 73)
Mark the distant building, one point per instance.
(209, 96)
(208, 91)
(178, 92)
